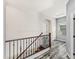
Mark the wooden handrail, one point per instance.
(29, 45)
(24, 38)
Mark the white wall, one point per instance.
(70, 15)
(21, 24)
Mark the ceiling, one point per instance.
(37, 5)
(58, 8)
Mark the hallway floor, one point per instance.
(58, 51)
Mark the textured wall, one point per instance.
(70, 14)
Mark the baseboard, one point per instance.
(60, 41)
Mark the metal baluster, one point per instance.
(17, 47)
(35, 46)
(13, 49)
(9, 50)
(23, 49)
(39, 43)
(20, 48)
(26, 47)
(31, 46)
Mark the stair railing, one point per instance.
(25, 47)
(29, 45)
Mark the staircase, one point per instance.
(25, 47)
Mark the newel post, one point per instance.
(50, 40)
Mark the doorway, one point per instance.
(61, 28)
